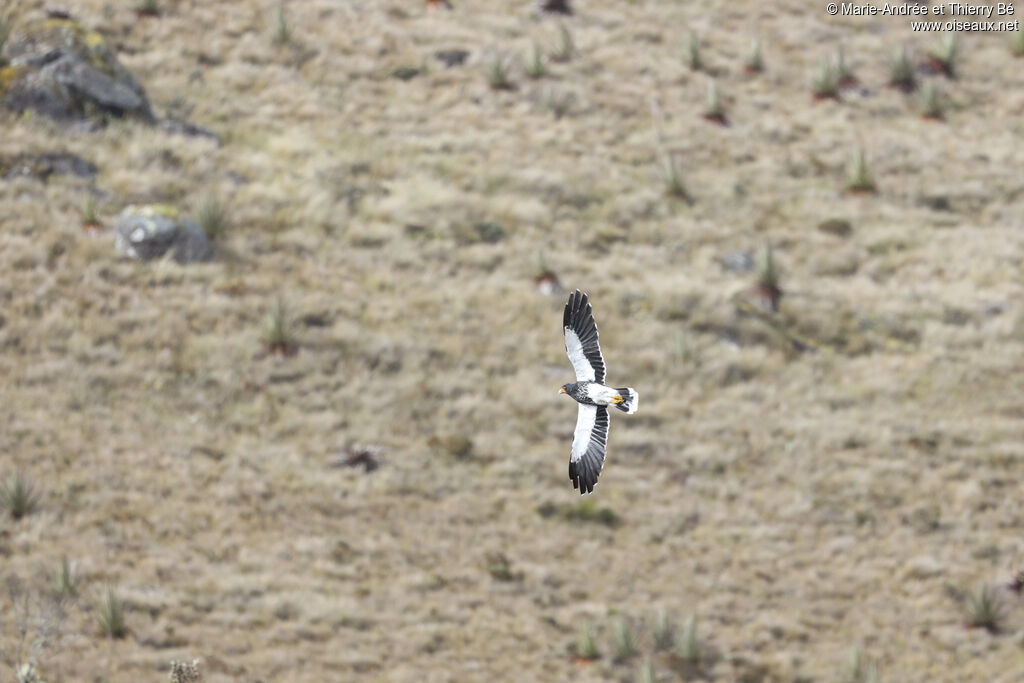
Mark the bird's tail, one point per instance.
(630, 400)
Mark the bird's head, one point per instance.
(564, 389)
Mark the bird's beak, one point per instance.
(561, 390)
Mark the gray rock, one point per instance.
(150, 232)
(42, 166)
(61, 70)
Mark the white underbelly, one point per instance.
(600, 394)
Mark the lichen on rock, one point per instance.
(59, 69)
(151, 231)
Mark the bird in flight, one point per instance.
(591, 437)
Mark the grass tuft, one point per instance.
(844, 74)
(826, 83)
(90, 220)
(500, 567)
(934, 104)
(984, 609)
(65, 581)
(110, 615)
(541, 269)
(647, 672)
(210, 216)
(755, 60)
(625, 641)
(282, 34)
(535, 66)
(690, 650)
(566, 49)
(1016, 42)
(558, 103)
(902, 74)
(943, 58)
(859, 670)
(279, 337)
(586, 644)
(588, 511)
(861, 181)
(147, 8)
(693, 57)
(19, 495)
(184, 672)
(715, 110)
(457, 446)
(497, 75)
(664, 632)
(674, 185)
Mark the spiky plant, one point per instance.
(565, 49)
(902, 74)
(826, 82)
(65, 582)
(934, 106)
(861, 180)
(625, 641)
(943, 58)
(90, 220)
(689, 644)
(1016, 42)
(715, 110)
(664, 632)
(558, 103)
(692, 57)
(647, 672)
(859, 669)
(845, 78)
(497, 75)
(210, 216)
(110, 615)
(19, 495)
(535, 66)
(674, 185)
(985, 609)
(755, 60)
(282, 34)
(279, 337)
(541, 268)
(586, 644)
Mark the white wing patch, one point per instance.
(584, 426)
(588, 447)
(573, 347)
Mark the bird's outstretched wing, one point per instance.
(581, 339)
(588, 447)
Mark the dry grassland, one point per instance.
(841, 474)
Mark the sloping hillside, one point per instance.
(336, 451)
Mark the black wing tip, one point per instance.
(576, 301)
(582, 479)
